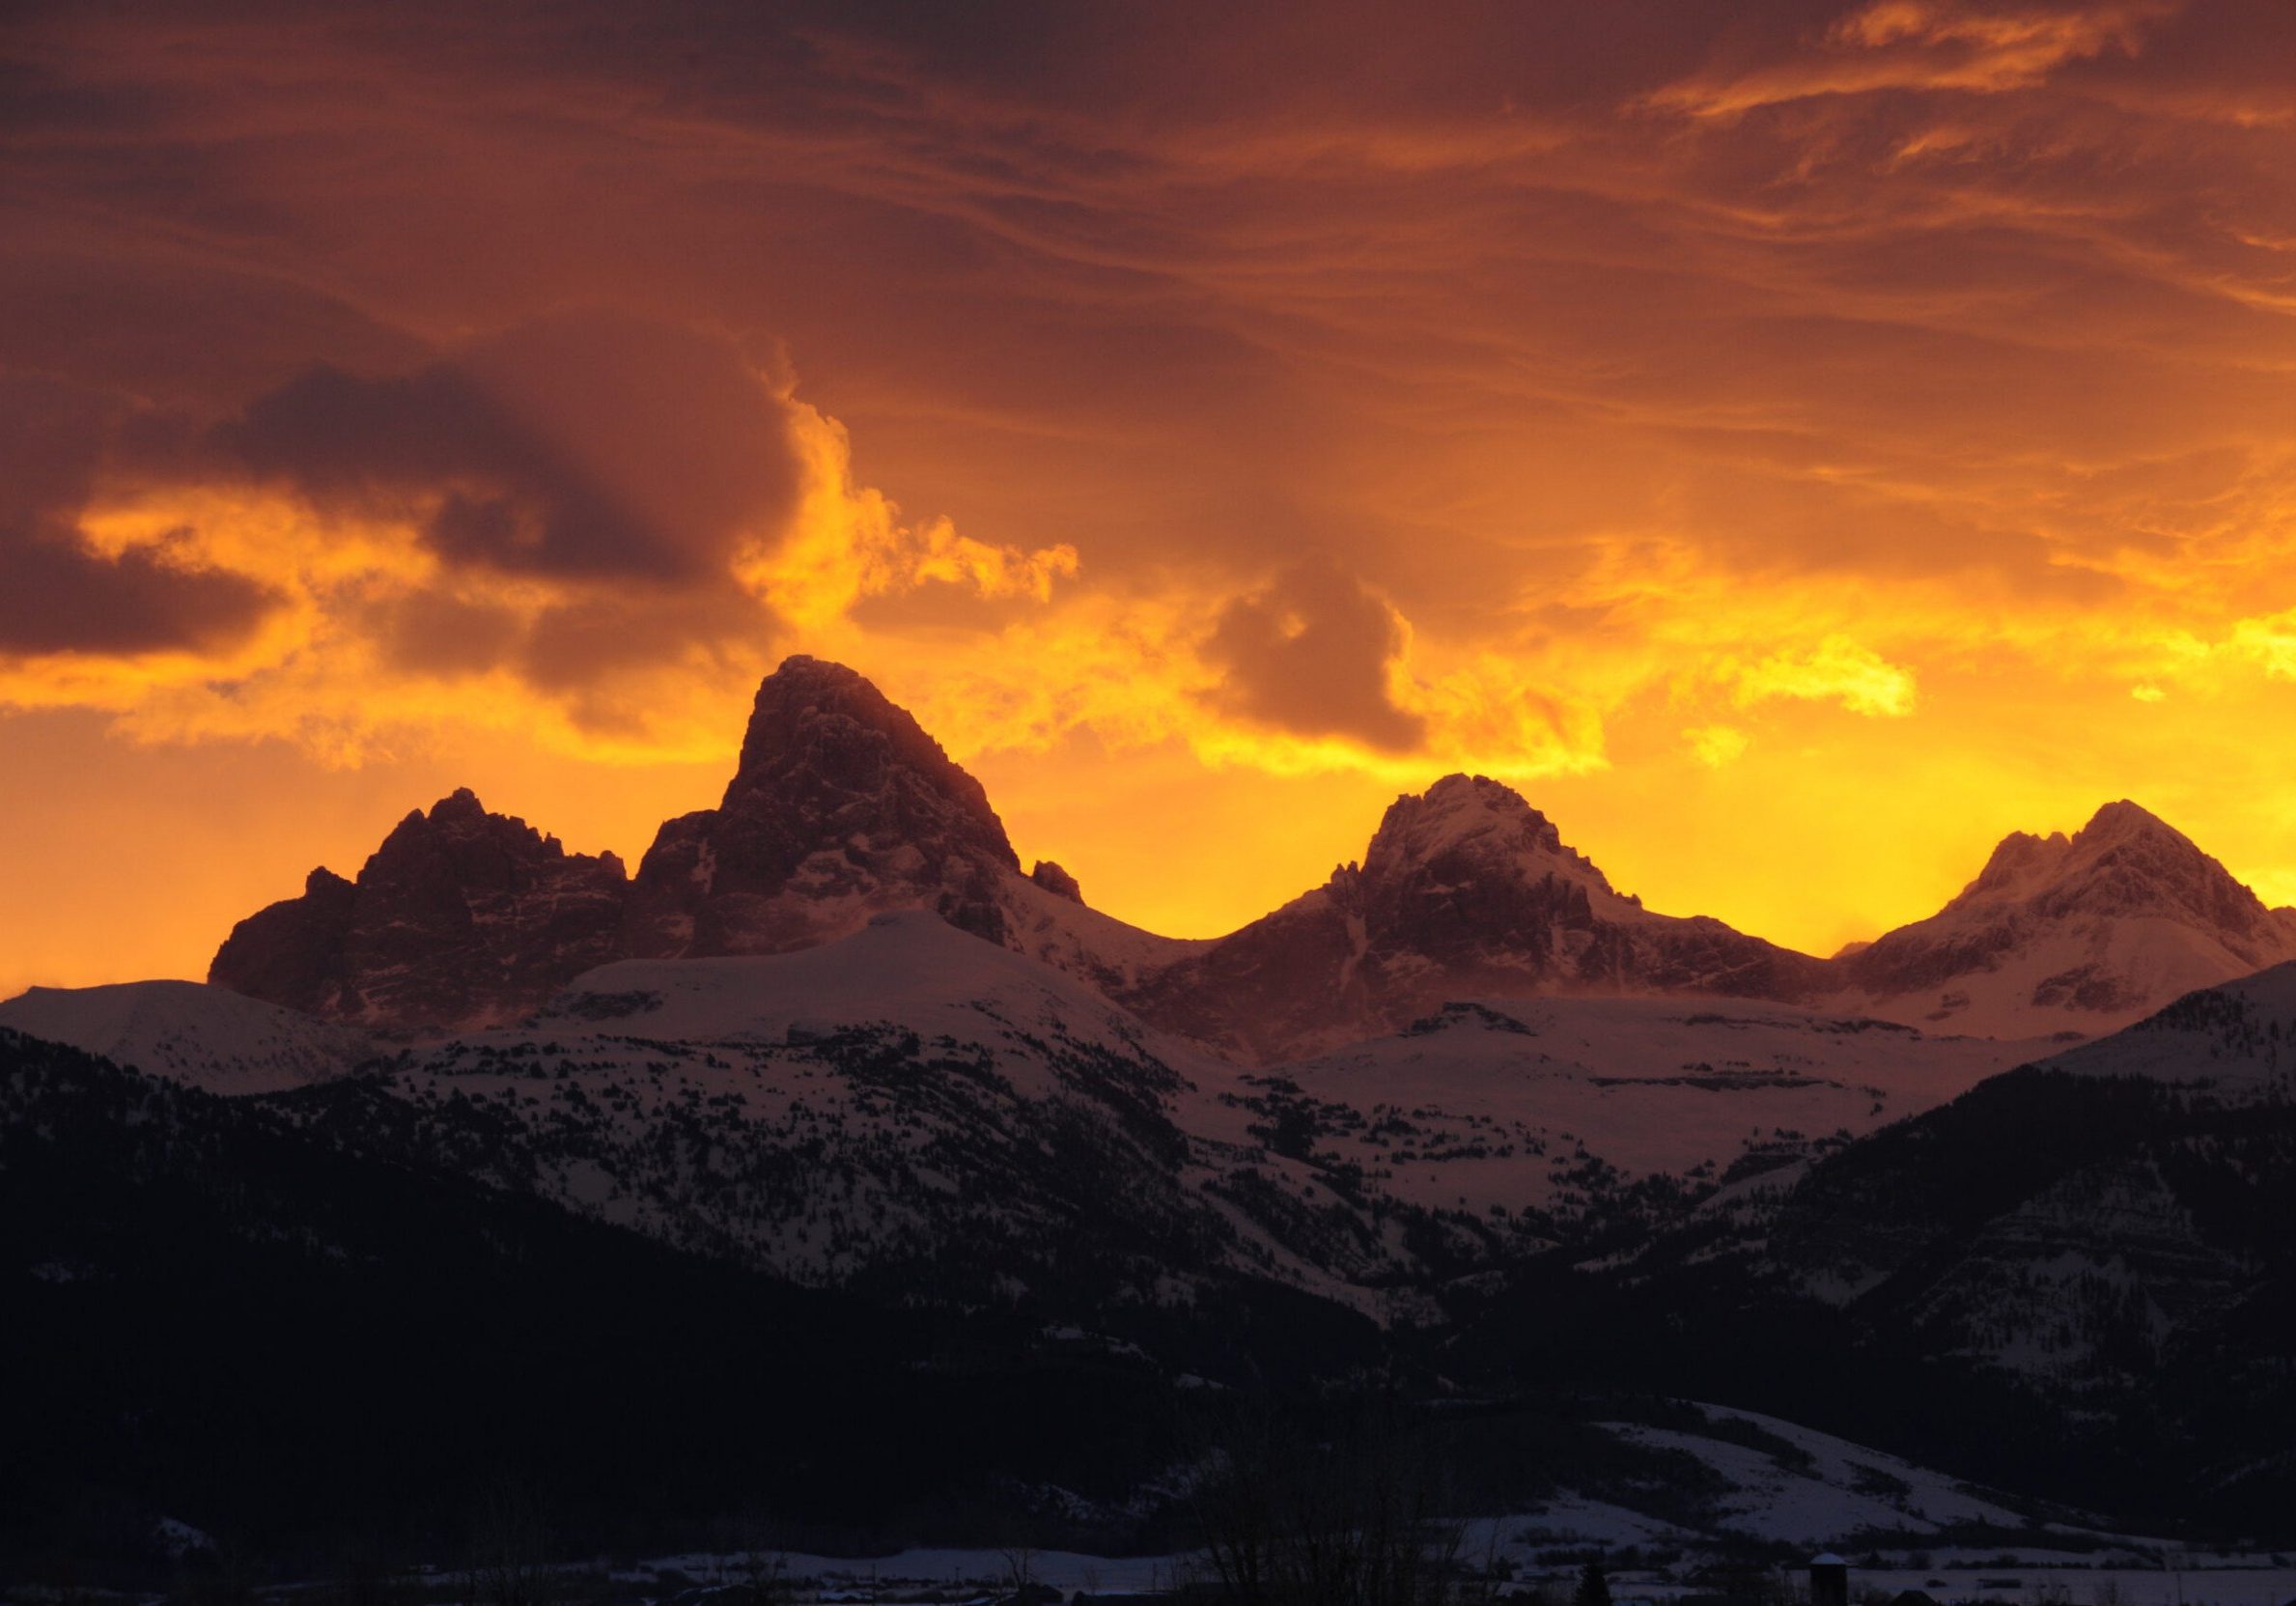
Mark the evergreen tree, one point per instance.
(1594, 1586)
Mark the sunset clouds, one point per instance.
(1779, 414)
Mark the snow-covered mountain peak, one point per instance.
(1466, 892)
(2122, 818)
(206, 1037)
(1473, 822)
(2021, 864)
(2087, 932)
(2126, 860)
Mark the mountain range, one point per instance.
(2003, 1190)
(841, 806)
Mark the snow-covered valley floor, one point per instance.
(1953, 1577)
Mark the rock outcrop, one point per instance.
(840, 807)
(461, 918)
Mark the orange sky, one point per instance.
(1793, 443)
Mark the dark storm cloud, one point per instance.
(578, 643)
(53, 434)
(621, 462)
(431, 633)
(1804, 296)
(1187, 61)
(583, 446)
(56, 596)
(1310, 655)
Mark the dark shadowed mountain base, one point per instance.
(221, 1319)
(2081, 1286)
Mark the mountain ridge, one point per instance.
(841, 806)
(461, 915)
(1465, 889)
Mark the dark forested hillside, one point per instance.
(2076, 1285)
(217, 1318)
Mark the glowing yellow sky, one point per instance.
(1795, 445)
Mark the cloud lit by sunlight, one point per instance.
(1735, 433)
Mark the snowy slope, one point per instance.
(2238, 1039)
(2105, 1229)
(206, 1037)
(1794, 1485)
(912, 1108)
(1508, 1101)
(906, 968)
(1070, 936)
(915, 1096)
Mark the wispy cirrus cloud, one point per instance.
(1970, 46)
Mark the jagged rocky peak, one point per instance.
(823, 739)
(460, 918)
(1473, 821)
(840, 805)
(291, 952)
(1466, 891)
(460, 806)
(2020, 863)
(483, 847)
(324, 884)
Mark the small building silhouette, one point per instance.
(1829, 1581)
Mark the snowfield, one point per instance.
(1782, 1484)
(202, 1036)
(1510, 1100)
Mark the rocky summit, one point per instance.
(460, 915)
(841, 806)
(2083, 933)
